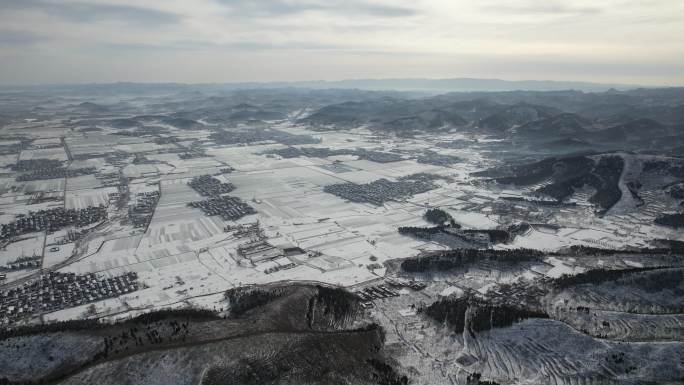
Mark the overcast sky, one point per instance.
(65, 41)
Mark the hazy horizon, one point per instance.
(416, 86)
(229, 41)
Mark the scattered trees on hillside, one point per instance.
(439, 217)
(242, 299)
(671, 220)
(474, 315)
(336, 304)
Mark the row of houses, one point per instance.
(52, 219)
(55, 291)
(229, 208)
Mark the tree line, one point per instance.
(597, 276)
(452, 259)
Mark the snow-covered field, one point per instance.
(343, 243)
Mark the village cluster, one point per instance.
(228, 208)
(324, 152)
(51, 220)
(54, 291)
(380, 191)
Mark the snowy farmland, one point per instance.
(433, 249)
(342, 241)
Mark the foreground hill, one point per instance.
(293, 334)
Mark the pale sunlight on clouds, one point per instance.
(45, 41)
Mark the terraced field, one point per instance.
(550, 352)
(642, 306)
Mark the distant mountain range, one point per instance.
(643, 119)
(409, 84)
(462, 85)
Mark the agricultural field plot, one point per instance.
(112, 307)
(104, 264)
(201, 163)
(38, 186)
(163, 157)
(141, 186)
(322, 238)
(56, 254)
(57, 153)
(9, 143)
(553, 241)
(358, 177)
(181, 232)
(92, 145)
(143, 147)
(83, 182)
(349, 251)
(46, 129)
(396, 169)
(7, 160)
(88, 197)
(292, 207)
(177, 228)
(142, 171)
(176, 191)
(14, 205)
(46, 142)
(338, 168)
(100, 165)
(289, 180)
(185, 173)
(249, 158)
(30, 245)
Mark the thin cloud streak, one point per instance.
(83, 12)
(281, 7)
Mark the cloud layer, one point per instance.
(75, 41)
